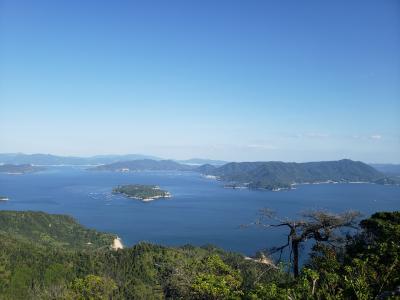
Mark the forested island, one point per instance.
(4, 198)
(280, 175)
(19, 169)
(141, 192)
(47, 257)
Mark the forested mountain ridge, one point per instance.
(273, 175)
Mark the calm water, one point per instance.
(200, 212)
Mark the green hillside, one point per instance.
(51, 230)
(272, 175)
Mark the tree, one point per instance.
(376, 251)
(57, 274)
(366, 267)
(320, 226)
(21, 281)
(4, 272)
(217, 281)
(93, 287)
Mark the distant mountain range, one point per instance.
(49, 159)
(388, 169)
(143, 165)
(277, 175)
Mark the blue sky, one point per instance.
(234, 80)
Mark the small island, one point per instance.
(141, 192)
(3, 198)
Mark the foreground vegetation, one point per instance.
(48, 257)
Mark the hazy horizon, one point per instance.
(226, 80)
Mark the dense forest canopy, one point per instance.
(38, 261)
(51, 230)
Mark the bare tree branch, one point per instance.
(321, 226)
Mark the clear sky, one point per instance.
(234, 80)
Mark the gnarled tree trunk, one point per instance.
(295, 249)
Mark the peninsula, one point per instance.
(141, 192)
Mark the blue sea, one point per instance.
(201, 211)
